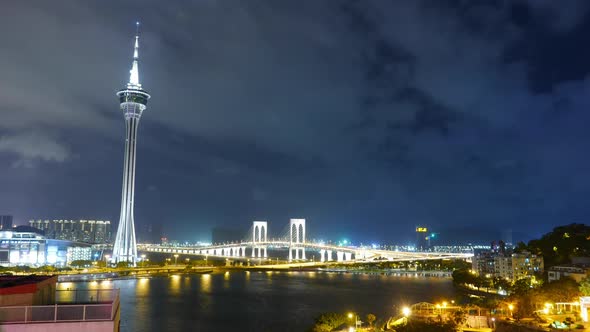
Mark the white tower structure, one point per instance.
(133, 100)
(296, 238)
(259, 232)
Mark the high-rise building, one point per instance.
(422, 238)
(5, 223)
(133, 100)
(82, 230)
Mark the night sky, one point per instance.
(367, 118)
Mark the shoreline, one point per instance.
(130, 274)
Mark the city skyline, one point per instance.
(365, 124)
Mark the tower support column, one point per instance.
(133, 100)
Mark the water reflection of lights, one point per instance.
(142, 287)
(226, 275)
(175, 284)
(64, 285)
(206, 282)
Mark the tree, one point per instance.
(463, 276)
(123, 264)
(501, 283)
(370, 319)
(47, 268)
(459, 317)
(562, 290)
(558, 246)
(331, 320)
(585, 286)
(81, 263)
(321, 328)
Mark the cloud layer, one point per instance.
(350, 113)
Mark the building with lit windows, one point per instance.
(503, 267)
(29, 248)
(507, 266)
(82, 230)
(525, 265)
(568, 271)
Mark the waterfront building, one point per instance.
(506, 265)
(133, 100)
(5, 223)
(81, 230)
(32, 303)
(30, 248)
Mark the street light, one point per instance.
(511, 307)
(406, 311)
(175, 258)
(356, 321)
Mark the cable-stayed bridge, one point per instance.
(257, 246)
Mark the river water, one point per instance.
(262, 301)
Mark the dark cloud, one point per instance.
(32, 146)
(349, 113)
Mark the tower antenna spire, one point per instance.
(134, 72)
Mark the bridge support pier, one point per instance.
(322, 252)
(329, 255)
(348, 256)
(339, 256)
(296, 251)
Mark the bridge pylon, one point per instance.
(259, 233)
(296, 238)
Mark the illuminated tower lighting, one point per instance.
(133, 101)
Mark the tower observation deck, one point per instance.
(133, 100)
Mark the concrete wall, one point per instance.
(45, 295)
